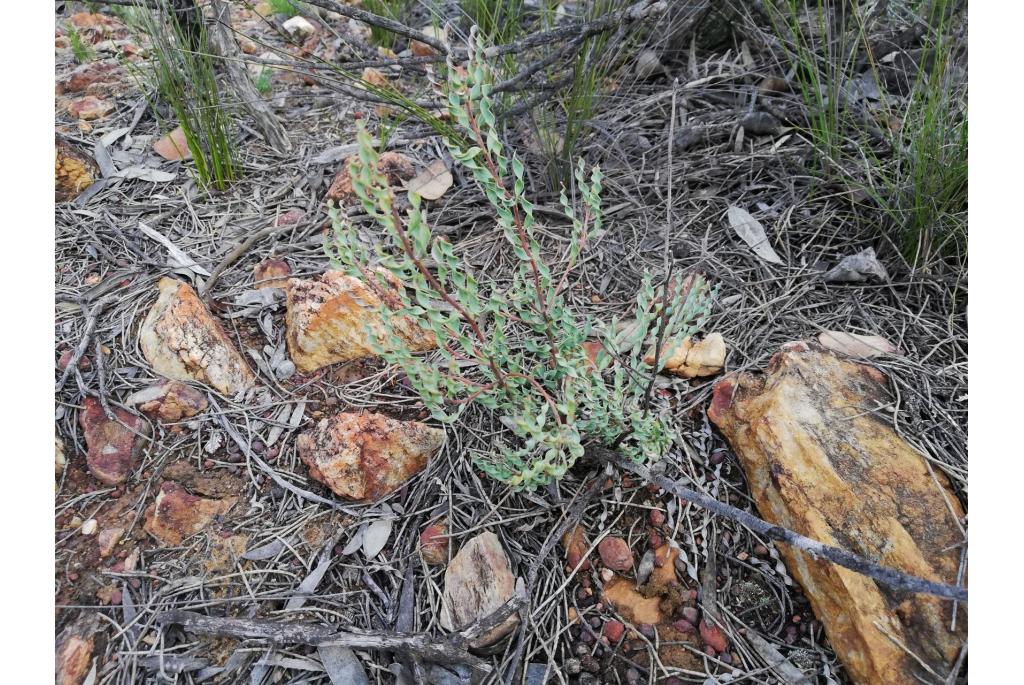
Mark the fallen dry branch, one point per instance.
(452, 650)
(889, 576)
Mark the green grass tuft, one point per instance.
(185, 79)
(83, 53)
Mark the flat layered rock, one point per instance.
(365, 456)
(820, 462)
(182, 341)
(328, 318)
(176, 514)
(477, 582)
(113, 445)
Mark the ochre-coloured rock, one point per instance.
(695, 358)
(169, 401)
(477, 582)
(327, 322)
(74, 170)
(364, 456)
(622, 594)
(182, 341)
(113, 446)
(89, 107)
(819, 461)
(176, 515)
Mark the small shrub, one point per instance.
(515, 350)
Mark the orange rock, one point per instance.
(327, 322)
(176, 515)
(183, 342)
(821, 465)
(365, 456)
(173, 146)
(476, 583)
(420, 49)
(395, 167)
(622, 594)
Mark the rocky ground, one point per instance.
(228, 448)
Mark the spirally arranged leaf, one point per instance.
(752, 232)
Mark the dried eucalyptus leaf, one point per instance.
(752, 232)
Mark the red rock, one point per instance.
(290, 218)
(576, 546)
(169, 401)
(684, 626)
(176, 515)
(434, 544)
(365, 456)
(89, 107)
(657, 517)
(713, 636)
(394, 166)
(272, 273)
(173, 146)
(74, 650)
(615, 553)
(94, 78)
(65, 359)
(613, 630)
(112, 447)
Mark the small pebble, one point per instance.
(606, 573)
(582, 649)
(89, 527)
(573, 666)
(647, 630)
(710, 651)
(691, 614)
(632, 676)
